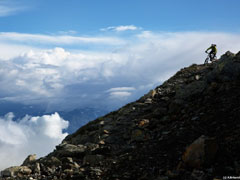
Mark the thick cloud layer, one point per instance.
(66, 78)
(30, 135)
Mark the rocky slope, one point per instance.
(187, 129)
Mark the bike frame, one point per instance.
(209, 57)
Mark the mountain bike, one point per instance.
(209, 57)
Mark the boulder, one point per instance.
(70, 150)
(29, 160)
(228, 55)
(200, 153)
(15, 171)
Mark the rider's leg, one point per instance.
(211, 55)
(215, 57)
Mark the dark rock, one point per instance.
(138, 135)
(36, 168)
(53, 161)
(92, 159)
(198, 175)
(201, 152)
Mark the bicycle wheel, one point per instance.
(206, 60)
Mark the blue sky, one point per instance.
(86, 17)
(68, 54)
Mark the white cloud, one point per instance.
(30, 135)
(121, 28)
(121, 89)
(9, 51)
(60, 77)
(8, 7)
(57, 39)
(120, 95)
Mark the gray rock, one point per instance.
(148, 101)
(197, 77)
(67, 160)
(97, 171)
(70, 150)
(91, 146)
(36, 168)
(29, 160)
(51, 161)
(16, 170)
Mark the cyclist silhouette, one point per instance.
(213, 52)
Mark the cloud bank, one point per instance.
(30, 135)
(66, 78)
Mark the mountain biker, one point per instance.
(213, 52)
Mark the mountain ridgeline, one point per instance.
(187, 129)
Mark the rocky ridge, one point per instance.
(187, 129)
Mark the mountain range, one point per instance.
(76, 117)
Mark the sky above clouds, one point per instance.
(87, 17)
(102, 54)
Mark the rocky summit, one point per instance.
(186, 129)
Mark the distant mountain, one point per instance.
(77, 117)
(186, 129)
(20, 110)
(80, 117)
